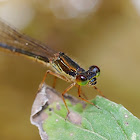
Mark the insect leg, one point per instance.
(99, 91)
(79, 94)
(54, 74)
(82, 93)
(65, 91)
(54, 81)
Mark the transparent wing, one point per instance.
(14, 41)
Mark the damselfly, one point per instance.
(63, 66)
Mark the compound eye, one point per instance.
(81, 80)
(95, 69)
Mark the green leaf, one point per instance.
(110, 122)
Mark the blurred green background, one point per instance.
(105, 33)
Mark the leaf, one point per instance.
(86, 122)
